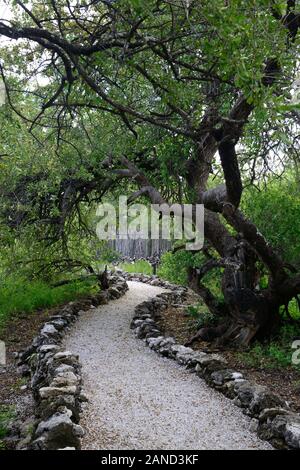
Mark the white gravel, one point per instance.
(139, 400)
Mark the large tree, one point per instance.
(190, 89)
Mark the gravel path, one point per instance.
(139, 400)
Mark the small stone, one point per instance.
(114, 292)
(270, 413)
(246, 391)
(153, 334)
(59, 324)
(222, 376)
(184, 355)
(210, 363)
(253, 425)
(63, 369)
(66, 355)
(83, 398)
(262, 400)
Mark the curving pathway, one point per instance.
(139, 400)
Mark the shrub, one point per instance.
(174, 266)
(276, 212)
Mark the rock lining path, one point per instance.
(139, 400)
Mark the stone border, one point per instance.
(153, 280)
(272, 419)
(56, 381)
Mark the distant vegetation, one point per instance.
(140, 266)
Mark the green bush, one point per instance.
(275, 210)
(107, 255)
(293, 309)
(173, 268)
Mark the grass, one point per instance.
(19, 296)
(6, 414)
(139, 267)
(277, 353)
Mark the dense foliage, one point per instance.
(275, 209)
(173, 101)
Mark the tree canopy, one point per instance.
(174, 100)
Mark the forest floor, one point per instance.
(140, 400)
(284, 381)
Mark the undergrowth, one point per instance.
(6, 414)
(19, 296)
(272, 354)
(200, 317)
(277, 353)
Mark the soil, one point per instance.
(18, 334)
(14, 393)
(285, 382)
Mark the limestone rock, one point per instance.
(58, 431)
(46, 348)
(47, 407)
(220, 377)
(154, 342)
(50, 392)
(114, 293)
(65, 379)
(184, 354)
(49, 330)
(66, 357)
(210, 363)
(280, 427)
